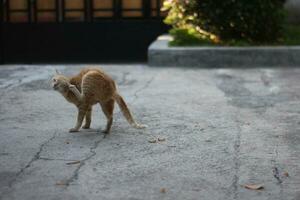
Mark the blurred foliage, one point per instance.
(224, 21)
(187, 37)
(190, 37)
(291, 35)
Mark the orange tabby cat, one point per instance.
(89, 87)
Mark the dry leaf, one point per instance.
(61, 183)
(254, 186)
(163, 190)
(161, 139)
(73, 163)
(286, 174)
(152, 141)
(67, 142)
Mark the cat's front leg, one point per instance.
(76, 92)
(81, 113)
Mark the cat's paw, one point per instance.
(71, 87)
(86, 127)
(105, 131)
(140, 126)
(72, 130)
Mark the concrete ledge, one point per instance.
(160, 54)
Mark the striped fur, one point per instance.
(89, 87)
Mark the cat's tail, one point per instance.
(126, 112)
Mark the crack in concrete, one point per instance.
(55, 159)
(275, 170)
(276, 173)
(142, 88)
(75, 175)
(35, 158)
(237, 163)
(233, 87)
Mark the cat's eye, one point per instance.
(54, 80)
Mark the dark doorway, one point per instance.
(84, 31)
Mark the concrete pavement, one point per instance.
(223, 128)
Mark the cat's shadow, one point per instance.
(92, 132)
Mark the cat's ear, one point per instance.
(57, 72)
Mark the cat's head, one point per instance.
(60, 82)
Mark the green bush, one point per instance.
(253, 21)
(187, 37)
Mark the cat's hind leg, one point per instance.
(88, 118)
(108, 109)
